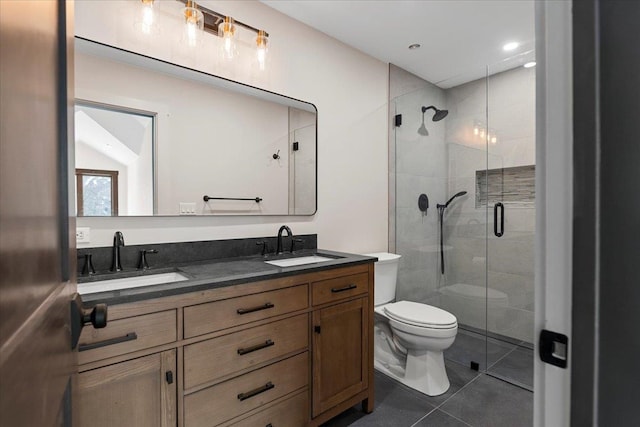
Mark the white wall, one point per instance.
(348, 88)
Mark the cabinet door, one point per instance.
(139, 392)
(339, 353)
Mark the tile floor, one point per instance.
(474, 399)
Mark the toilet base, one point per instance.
(424, 371)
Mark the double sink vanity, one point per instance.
(217, 334)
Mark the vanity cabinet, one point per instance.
(292, 351)
(340, 368)
(140, 392)
(342, 358)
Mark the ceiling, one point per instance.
(458, 38)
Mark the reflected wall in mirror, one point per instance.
(114, 161)
(175, 135)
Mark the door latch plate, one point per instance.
(554, 348)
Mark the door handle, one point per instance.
(498, 206)
(80, 317)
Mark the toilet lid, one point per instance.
(418, 314)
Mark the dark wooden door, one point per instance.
(340, 350)
(37, 364)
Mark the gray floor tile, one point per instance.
(488, 401)
(395, 406)
(440, 419)
(516, 366)
(459, 376)
(470, 346)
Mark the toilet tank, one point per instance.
(386, 274)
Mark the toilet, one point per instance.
(410, 337)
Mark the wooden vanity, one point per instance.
(292, 351)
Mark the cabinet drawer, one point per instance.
(127, 335)
(227, 400)
(339, 288)
(218, 315)
(215, 358)
(293, 412)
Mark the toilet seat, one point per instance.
(420, 315)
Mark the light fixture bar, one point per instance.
(213, 19)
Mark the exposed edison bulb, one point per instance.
(494, 139)
(193, 25)
(481, 133)
(227, 30)
(147, 21)
(476, 131)
(261, 42)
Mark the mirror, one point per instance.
(155, 138)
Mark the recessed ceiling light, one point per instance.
(510, 46)
(414, 46)
(530, 64)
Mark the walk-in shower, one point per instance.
(475, 258)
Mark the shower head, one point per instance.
(439, 114)
(462, 193)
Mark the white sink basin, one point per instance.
(299, 261)
(129, 282)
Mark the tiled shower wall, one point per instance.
(446, 162)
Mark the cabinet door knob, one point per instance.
(316, 329)
(169, 376)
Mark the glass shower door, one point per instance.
(508, 191)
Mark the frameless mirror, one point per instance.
(155, 138)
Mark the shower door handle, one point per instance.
(496, 207)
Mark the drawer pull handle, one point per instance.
(266, 387)
(346, 288)
(251, 310)
(129, 337)
(243, 351)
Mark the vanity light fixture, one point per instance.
(146, 19)
(198, 19)
(193, 24)
(227, 30)
(414, 46)
(261, 41)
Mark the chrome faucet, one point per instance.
(289, 233)
(118, 240)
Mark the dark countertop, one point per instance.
(216, 273)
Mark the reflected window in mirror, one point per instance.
(97, 192)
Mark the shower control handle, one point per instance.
(498, 206)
